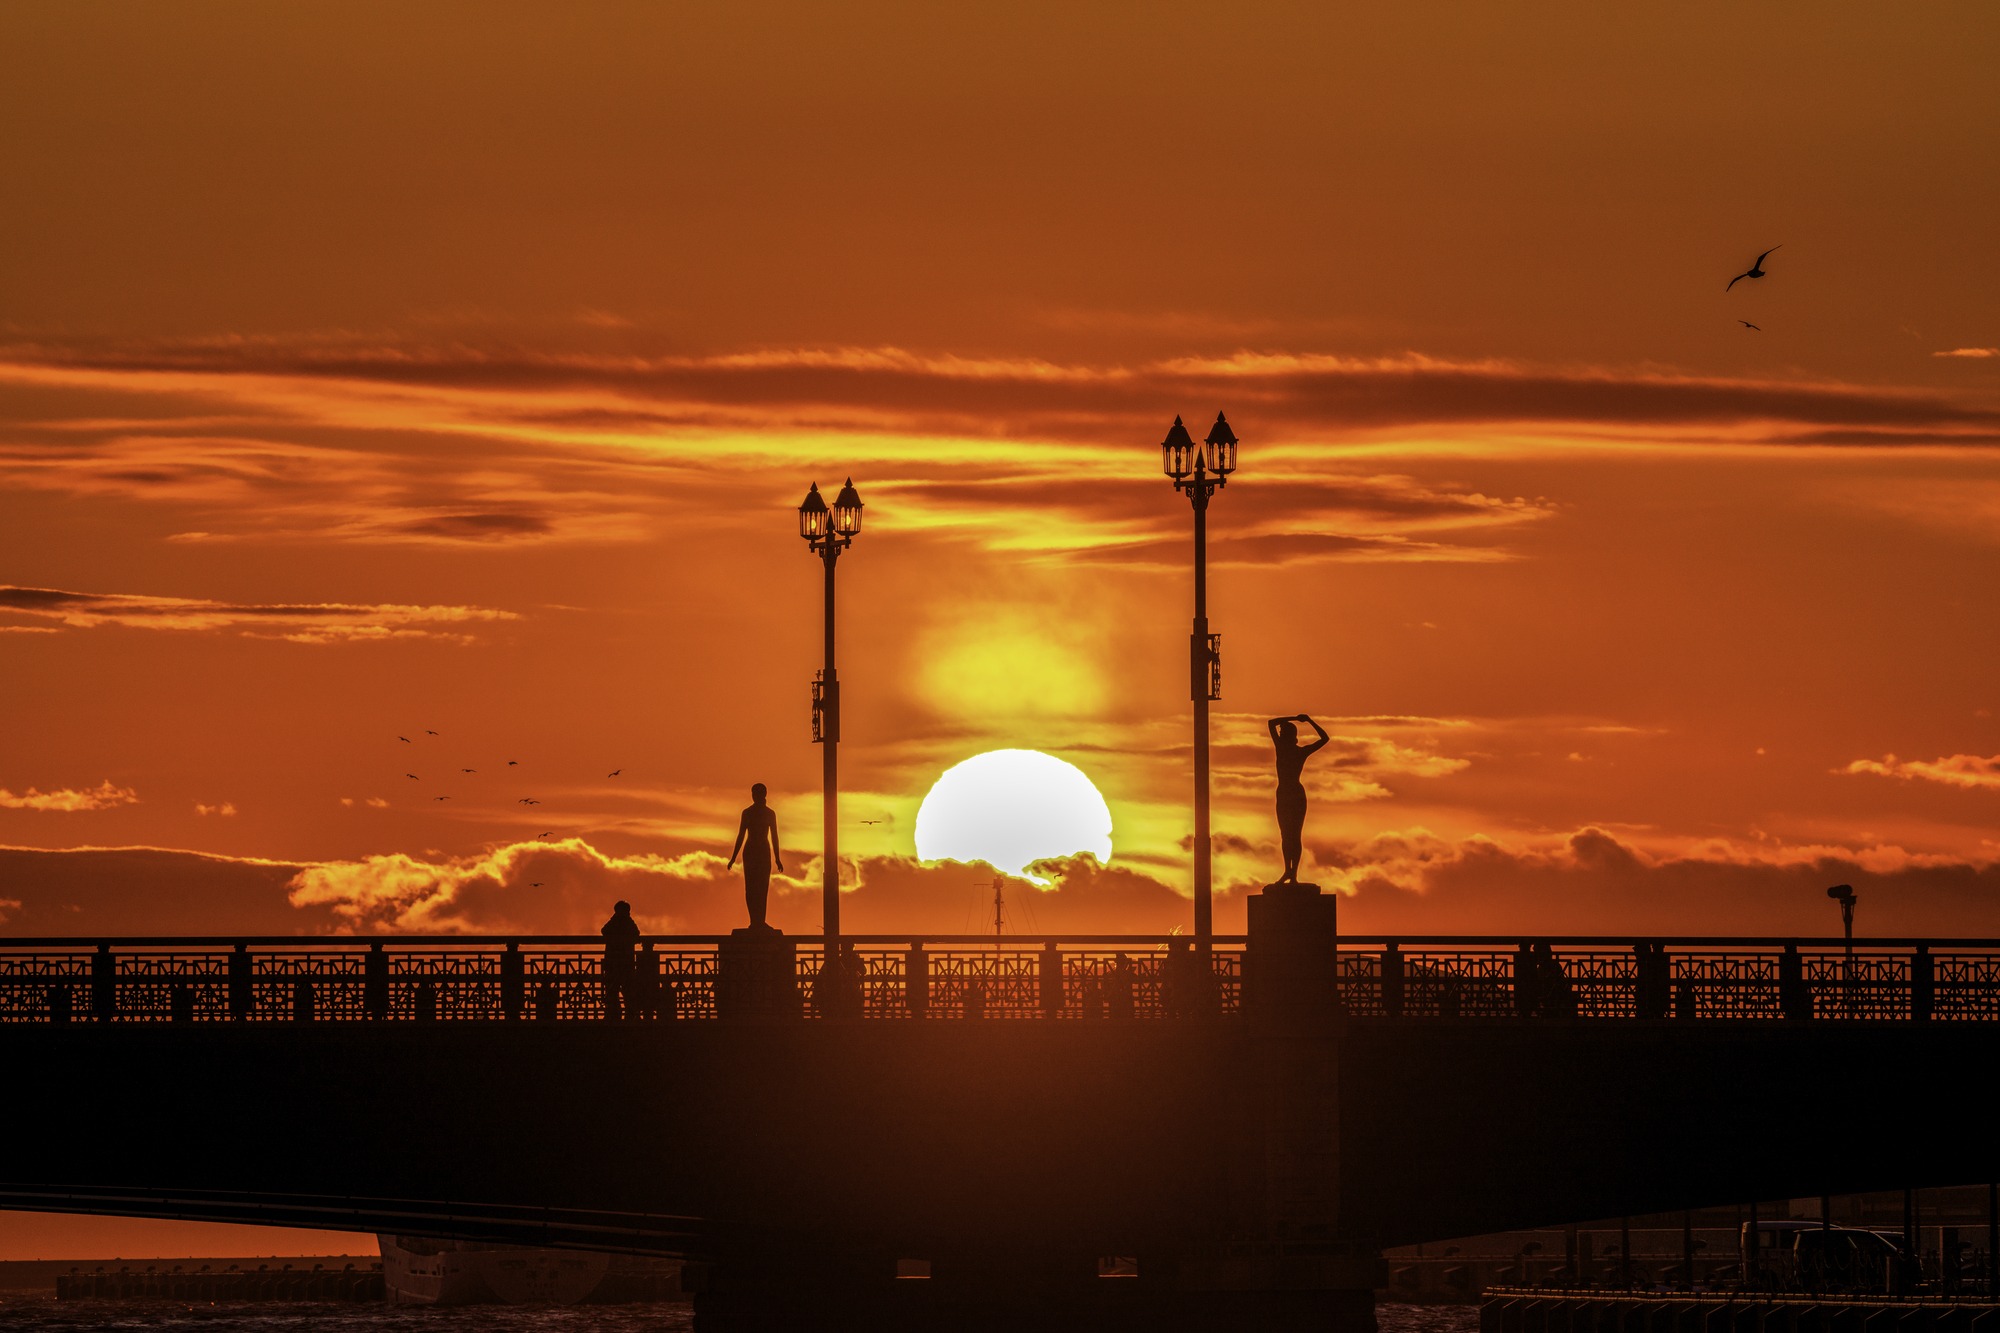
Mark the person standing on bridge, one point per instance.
(757, 843)
(621, 971)
(1292, 758)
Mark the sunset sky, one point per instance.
(372, 370)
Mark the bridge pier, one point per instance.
(1007, 1290)
(1274, 1260)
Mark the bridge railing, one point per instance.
(461, 978)
(560, 978)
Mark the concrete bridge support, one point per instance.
(1272, 1259)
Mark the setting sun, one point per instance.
(1011, 808)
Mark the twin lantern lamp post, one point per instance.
(1199, 470)
(828, 532)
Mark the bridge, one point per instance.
(1253, 1120)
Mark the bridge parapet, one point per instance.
(459, 978)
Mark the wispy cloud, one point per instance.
(225, 809)
(1953, 770)
(104, 796)
(1976, 353)
(875, 389)
(309, 622)
(340, 440)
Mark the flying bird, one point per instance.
(873, 821)
(614, 772)
(528, 800)
(512, 762)
(1756, 269)
(468, 770)
(406, 740)
(430, 733)
(536, 885)
(413, 777)
(1748, 325)
(441, 798)
(545, 835)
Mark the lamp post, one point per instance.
(1200, 470)
(828, 532)
(1844, 895)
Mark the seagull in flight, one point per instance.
(528, 800)
(430, 733)
(468, 770)
(545, 835)
(873, 821)
(1756, 269)
(441, 798)
(614, 772)
(536, 885)
(1748, 325)
(413, 777)
(512, 762)
(406, 740)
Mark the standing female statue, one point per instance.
(757, 843)
(1292, 758)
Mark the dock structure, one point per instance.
(1536, 1310)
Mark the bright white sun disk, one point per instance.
(1010, 808)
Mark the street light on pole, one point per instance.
(1200, 470)
(828, 532)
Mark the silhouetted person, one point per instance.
(1292, 758)
(621, 937)
(1554, 996)
(1120, 1001)
(1653, 980)
(757, 843)
(836, 990)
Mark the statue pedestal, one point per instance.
(1291, 998)
(1290, 970)
(756, 975)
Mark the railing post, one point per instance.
(513, 981)
(375, 982)
(302, 1000)
(242, 998)
(1052, 981)
(1524, 980)
(1793, 996)
(916, 981)
(1923, 984)
(103, 984)
(1392, 980)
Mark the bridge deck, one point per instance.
(460, 978)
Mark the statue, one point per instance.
(757, 841)
(1292, 758)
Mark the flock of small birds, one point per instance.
(511, 763)
(1756, 270)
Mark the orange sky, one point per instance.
(367, 370)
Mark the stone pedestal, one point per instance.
(1290, 971)
(756, 975)
(1292, 1003)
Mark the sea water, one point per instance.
(36, 1315)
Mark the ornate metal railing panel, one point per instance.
(450, 979)
(1968, 986)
